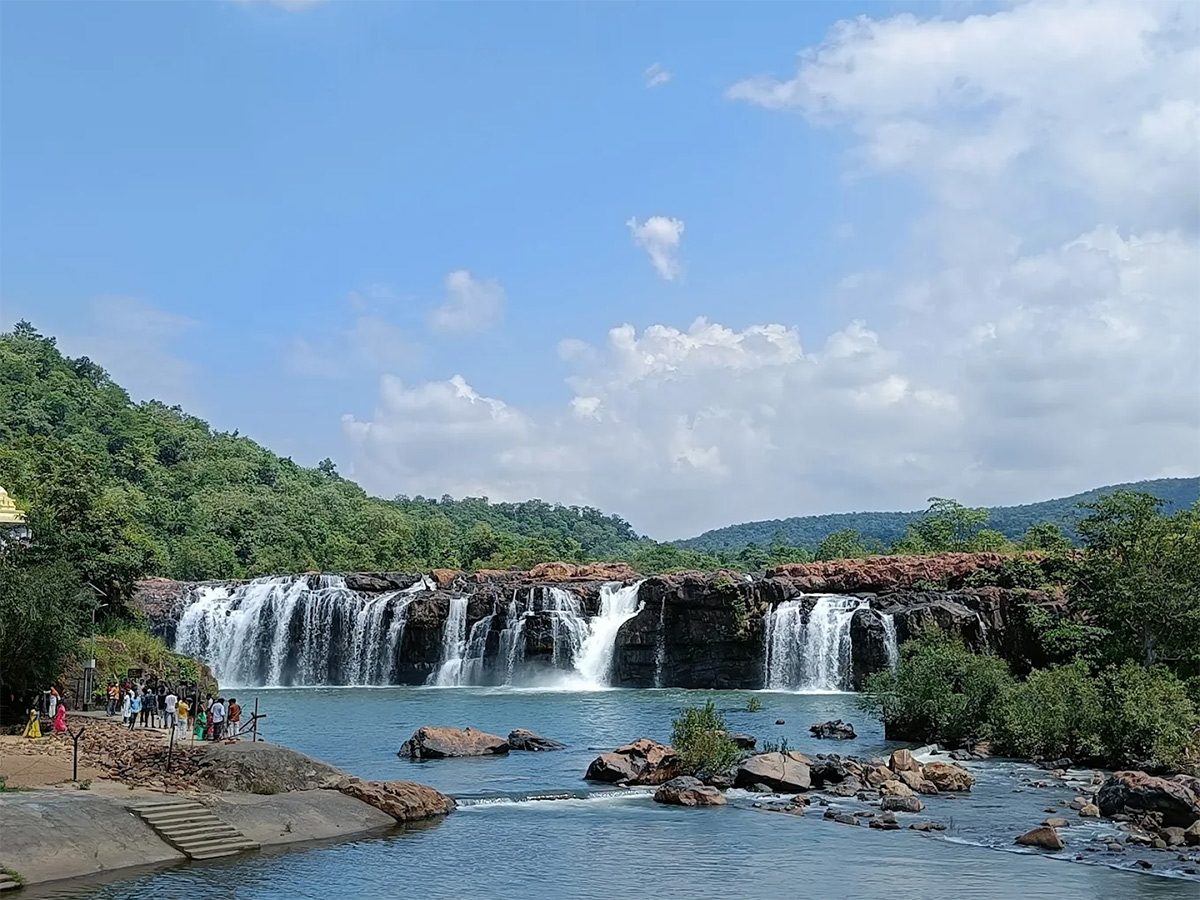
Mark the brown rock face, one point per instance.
(523, 739)
(786, 772)
(688, 791)
(642, 762)
(444, 578)
(888, 573)
(433, 742)
(1144, 793)
(404, 801)
(917, 782)
(895, 788)
(903, 761)
(1045, 838)
(948, 776)
(901, 804)
(561, 571)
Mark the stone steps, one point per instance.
(7, 883)
(193, 829)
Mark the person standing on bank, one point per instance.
(126, 707)
(233, 718)
(170, 704)
(135, 709)
(218, 717)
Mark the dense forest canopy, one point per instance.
(177, 498)
(885, 528)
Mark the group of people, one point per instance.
(57, 711)
(161, 707)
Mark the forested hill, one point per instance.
(156, 491)
(889, 527)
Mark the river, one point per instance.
(614, 844)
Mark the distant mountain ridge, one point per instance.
(1011, 521)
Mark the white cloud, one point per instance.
(1038, 338)
(656, 76)
(660, 237)
(471, 305)
(369, 343)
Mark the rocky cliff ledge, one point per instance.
(692, 629)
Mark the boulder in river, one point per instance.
(893, 803)
(404, 801)
(741, 741)
(836, 730)
(781, 771)
(948, 776)
(1043, 837)
(434, 742)
(917, 782)
(903, 761)
(522, 739)
(1139, 792)
(688, 791)
(642, 762)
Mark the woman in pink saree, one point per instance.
(60, 718)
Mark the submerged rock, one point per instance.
(786, 772)
(435, 742)
(891, 803)
(1042, 837)
(836, 730)
(688, 791)
(404, 801)
(642, 762)
(521, 739)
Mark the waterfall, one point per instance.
(618, 604)
(660, 647)
(512, 638)
(890, 645)
(813, 653)
(454, 645)
(568, 628)
(283, 630)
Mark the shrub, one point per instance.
(699, 737)
(1148, 717)
(754, 704)
(1055, 712)
(939, 692)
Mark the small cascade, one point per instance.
(295, 630)
(454, 645)
(618, 604)
(810, 653)
(512, 638)
(568, 627)
(660, 649)
(890, 645)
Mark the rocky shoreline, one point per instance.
(271, 795)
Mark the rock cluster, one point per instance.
(688, 791)
(1174, 800)
(641, 762)
(836, 730)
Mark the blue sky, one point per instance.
(254, 209)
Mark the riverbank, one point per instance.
(58, 828)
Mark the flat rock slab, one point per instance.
(787, 772)
(523, 739)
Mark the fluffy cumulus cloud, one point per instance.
(1041, 337)
(660, 237)
(471, 304)
(656, 76)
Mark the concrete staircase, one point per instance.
(192, 829)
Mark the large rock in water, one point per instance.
(433, 742)
(1144, 793)
(688, 791)
(948, 776)
(263, 768)
(785, 772)
(521, 739)
(404, 801)
(642, 762)
(834, 731)
(1045, 838)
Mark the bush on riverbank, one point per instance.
(132, 648)
(1118, 716)
(700, 738)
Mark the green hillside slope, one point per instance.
(888, 527)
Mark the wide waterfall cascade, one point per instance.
(810, 653)
(283, 630)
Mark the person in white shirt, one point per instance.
(169, 718)
(217, 715)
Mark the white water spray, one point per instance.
(813, 653)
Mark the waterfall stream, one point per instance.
(810, 653)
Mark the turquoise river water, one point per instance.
(602, 843)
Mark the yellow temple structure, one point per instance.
(10, 515)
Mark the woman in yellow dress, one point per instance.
(33, 728)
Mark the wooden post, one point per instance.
(254, 731)
(170, 748)
(75, 759)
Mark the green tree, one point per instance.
(844, 544)
(701, 738)
(1047, 537)
(1139, 579)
